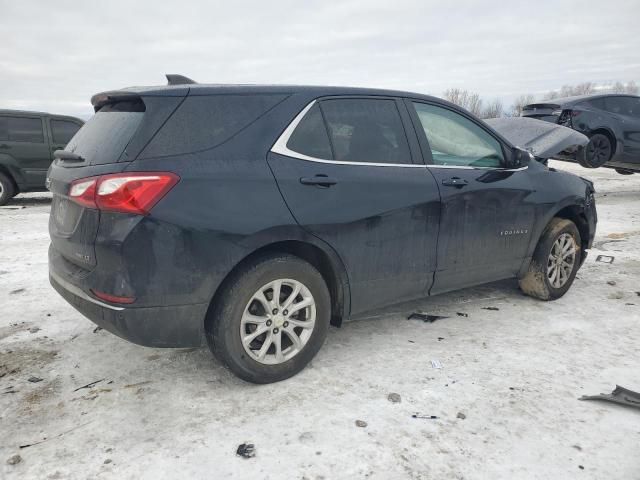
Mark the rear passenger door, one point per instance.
(349, 173)
(22, 139)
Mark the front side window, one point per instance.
(456, 140)
(63, 131)
(21, 129)
(366, 130)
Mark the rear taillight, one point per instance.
(107, 297)
(129, 192)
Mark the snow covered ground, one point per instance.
(514, 374)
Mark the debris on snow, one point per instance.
(462, 314)
(619, 395)
(89, 385)
(14, 460)
(605, 258)
(616, 295)
(427, 417)
(246, 450)
(34, 379)
(34, 329)
(495, 309)
(394, 398)
(97, 329)
(19, 290)
(425, 317)
(461, 416)
(361, 423)
(612, 283)
(440, 339)
(436, 363)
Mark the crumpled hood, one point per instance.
(543, 139)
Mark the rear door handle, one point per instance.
(454, 182)
(319, 180)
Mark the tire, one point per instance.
(232, 317)
(539, 281)
(597, 152)
(622, 171)
(7, 189)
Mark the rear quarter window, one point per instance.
(204, 122)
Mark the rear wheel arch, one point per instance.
(331, 270)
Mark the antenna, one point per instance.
(174, 79)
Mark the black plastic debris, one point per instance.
(246, 450)
(97, 329)
(619, 395)
(440, 339)
(14, 460)
(461, 416)
(361, 423)
(495, 309)
(605, 258)
(462, 314)
(426, 417)
(425, 317)
(89, 385)
(34, 379)
(19, 290)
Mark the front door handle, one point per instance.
(454, 182)
(319, 181)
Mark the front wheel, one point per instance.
(270, 319)
(555, 261)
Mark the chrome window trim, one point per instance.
(280, 147)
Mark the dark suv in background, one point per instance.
(612, 123)
(27, 143)
(252, 217)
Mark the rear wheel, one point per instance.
(555, 261)
(598, 151)
(7, 189)
(271, 318)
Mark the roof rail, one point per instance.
(173, 79)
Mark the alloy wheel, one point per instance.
(561, 260)
(278, 321)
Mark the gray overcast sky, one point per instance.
(55, 54)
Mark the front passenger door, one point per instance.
(486, 217)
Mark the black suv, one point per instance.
(612, 123)
(252, 217)
(27, 143)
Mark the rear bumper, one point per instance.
(172, 326)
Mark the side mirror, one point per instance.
(520, 157)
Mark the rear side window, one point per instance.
(204, 122)
(366, 130)
(310, 136)
(63, 131)
(21, 129)
(105, 136)
(455, 140)
(620, 105)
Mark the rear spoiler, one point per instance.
(99, 100)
